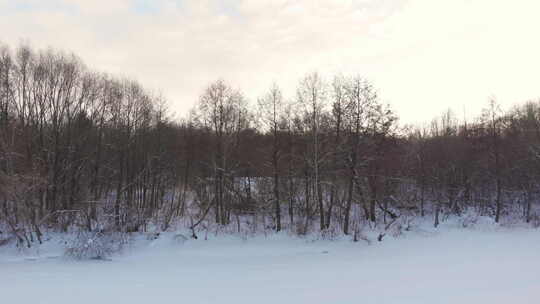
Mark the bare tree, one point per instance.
(312, 95)
(271, 112)
(222, 110)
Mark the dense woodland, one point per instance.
(81, 149)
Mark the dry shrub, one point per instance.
(331, 233)
(98, 245)
(469, 219)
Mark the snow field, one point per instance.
(423, 266)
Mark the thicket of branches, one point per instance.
(89, 150)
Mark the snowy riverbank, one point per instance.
(485, 264)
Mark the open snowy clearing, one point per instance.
(451, 266)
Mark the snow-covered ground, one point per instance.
(422, 266)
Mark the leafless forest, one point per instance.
(82, 150)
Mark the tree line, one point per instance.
(85, 149)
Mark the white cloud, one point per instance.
(423, 55)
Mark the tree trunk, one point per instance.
(348, 206)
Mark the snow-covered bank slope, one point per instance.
(454, 266)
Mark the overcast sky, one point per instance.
(423, 55)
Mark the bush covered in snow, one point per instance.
(95, 244)
(469, 219)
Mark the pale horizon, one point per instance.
(423, 56)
